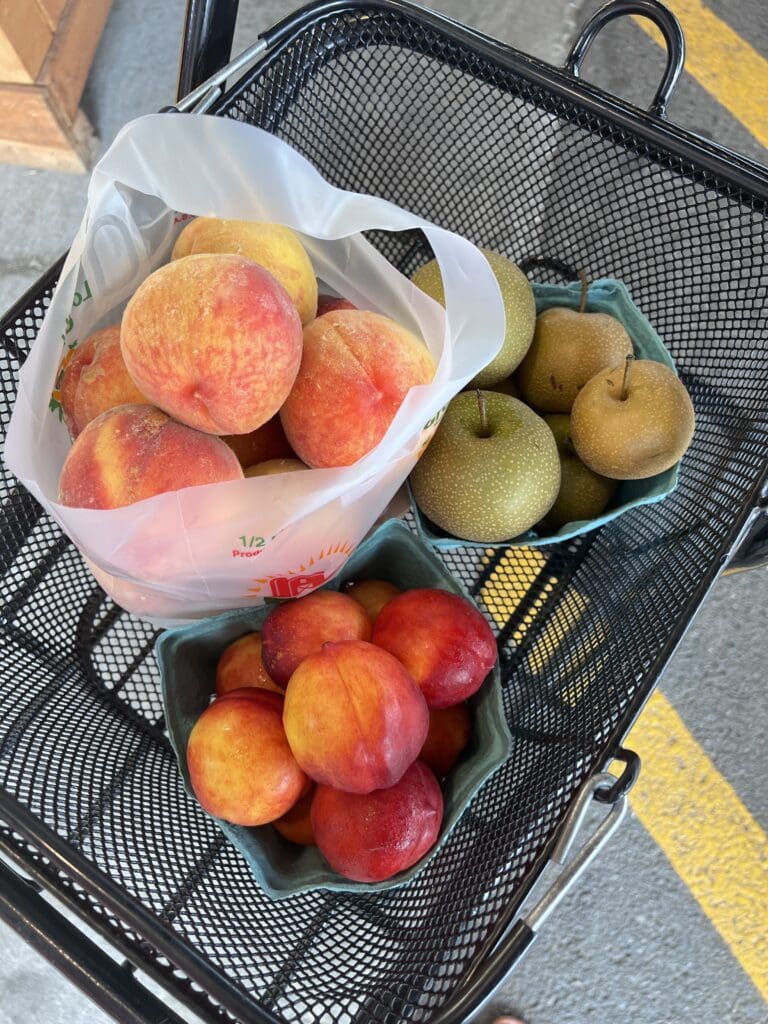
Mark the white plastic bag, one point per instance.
(190, 553)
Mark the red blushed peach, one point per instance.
(214, 341)
(136, 451)
(272, 246)
(240, 765)
(356, 369)
(296, 629)
(327, 303)
(96, 380)
(372, 837)
(266, 442)
(296, 824)
(449, 732)
(353, 716)
(241, 666)
(443, 641)
(372, 595)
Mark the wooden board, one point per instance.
(70, 57)
(32, 133)
(25, 39)
(53, 9)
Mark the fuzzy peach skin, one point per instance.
(443, 641)
(266, 442)
(214, 341)
(241, 665)
(240, 765)
(371, 838)
(372, 595)
(272, 246)
(95, 380)
(136, 451)
(326, 303)
(274, 466)
(356, 369)
(296, 629)
(296, 824)
(450, 730)
(354, 718)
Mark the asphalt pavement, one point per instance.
(633, 942)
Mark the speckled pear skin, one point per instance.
(636, 437)
(519, 309)
(488, 489)
(568, 349)
(583, 494)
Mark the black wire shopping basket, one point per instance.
(386, 98)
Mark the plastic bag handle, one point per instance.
(664, 20)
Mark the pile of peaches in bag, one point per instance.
(225, 364)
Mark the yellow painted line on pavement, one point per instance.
(692, 812)
(722, 62)
(710, 838)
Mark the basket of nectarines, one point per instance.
(338, 737)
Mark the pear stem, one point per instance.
(584, 286)
(627, 375)
(485, 428)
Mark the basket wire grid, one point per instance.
(384, 100)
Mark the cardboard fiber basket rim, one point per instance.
(187, 658)
(605, 295)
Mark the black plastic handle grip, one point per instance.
(206, 46)
(664, 20)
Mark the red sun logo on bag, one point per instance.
(307, 577)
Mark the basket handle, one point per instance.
(664, 20)
(209, 28)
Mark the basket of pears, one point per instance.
(580, 417)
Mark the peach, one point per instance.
(272, 246)
(273, 466)
(372, 837)
(356, 369)
(353, 716)
(443, 641)
(136, 451)
(240, 765)
(327, 303)
(214, 341)
(296, 824)
(96, 380)
(265, 442)
(296, 629)
(240, 666)
(372, 595)
(449, 732)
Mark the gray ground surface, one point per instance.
(630, 944)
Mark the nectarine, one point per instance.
(240, 765)
(372, 837)
(443, 641)
(241, 665)
(296, 629)
(354, 718)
